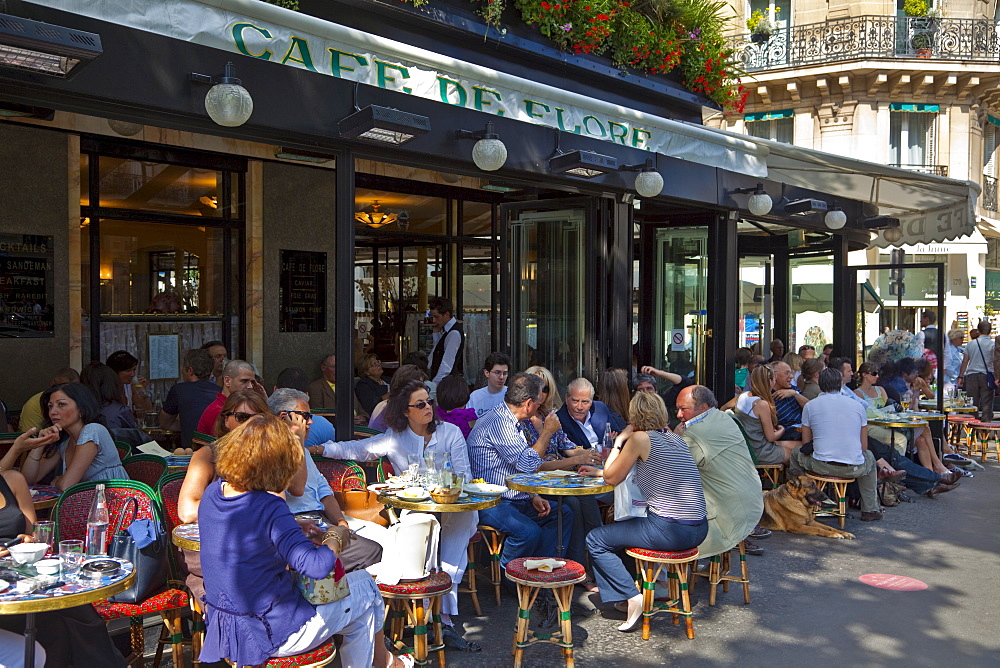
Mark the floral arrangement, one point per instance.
(761, 23)
(893, 346)
(917, 8)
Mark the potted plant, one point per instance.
(922, 20)
(761, 26)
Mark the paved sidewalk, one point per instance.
(807, 603)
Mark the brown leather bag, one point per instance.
(363, 505)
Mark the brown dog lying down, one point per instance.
(789, 508)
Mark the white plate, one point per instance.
(484, 489)
(413, 498)
(3, 585)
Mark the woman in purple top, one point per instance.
(452, 395)
(249, 538)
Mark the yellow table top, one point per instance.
(428, 505)
(59, 601)
(539, 483)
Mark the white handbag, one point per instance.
(629, 499)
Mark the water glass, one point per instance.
(71, 556)
(412, 465)
(44, 532)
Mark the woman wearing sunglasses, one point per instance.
(413, 433)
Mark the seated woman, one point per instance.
(371, 388)
(877, 398)
(809, 379)
(106, 386)
(413, 432)
(254, 609)
(668, 477)
(72, 636)
(755, 411)
(452, 396)
(125, 364)
(73, 442)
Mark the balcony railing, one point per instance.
(939, 170)
(989, 201)
(892, 37)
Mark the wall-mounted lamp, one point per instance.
(893, 235)
(489, 153)
(124, 128)
(760, 203)
(835, 218)
(384, 125)
(227, 102)
(45, 48)
(585, 164)
(648, 182)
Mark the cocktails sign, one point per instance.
(27, 291)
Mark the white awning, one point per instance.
(930, 208)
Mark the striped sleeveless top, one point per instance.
(670, 481)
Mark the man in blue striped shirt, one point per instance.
(788, 402)
(497, 449)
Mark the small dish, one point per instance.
(47, 567)
(484, 489)
(27, 553)
(413, 494)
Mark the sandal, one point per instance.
(590, 585)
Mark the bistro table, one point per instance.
(44, 496)
(462, 505)
(894, 421)
(69, 595)
(559, 486)
(187, 537)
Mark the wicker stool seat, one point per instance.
(985, 431)
(314, 658)
(840, 489)
(405, 607)
(678, 564)
(959, 431)
(718, 572)
(493, 540)
(529, 584)
(773, 472)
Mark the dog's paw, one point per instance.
(846, 534)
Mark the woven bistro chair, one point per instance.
(145, 468)
(71, 524)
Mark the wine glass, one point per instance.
(905, 400)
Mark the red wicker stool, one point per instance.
(959, 432)
(493, 540)
(650, 564)
(405, 607)
(529, 585)
(314, 658)
(470, 571)
(984, 432)
(718, 571)
(839, 488)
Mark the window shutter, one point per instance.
(989, 150)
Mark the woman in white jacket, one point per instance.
(413, 432)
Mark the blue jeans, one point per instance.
(528, 535)
(918, 478)
(651, 532)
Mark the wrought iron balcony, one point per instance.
(989, 201)
(870, 37)
(939, 170)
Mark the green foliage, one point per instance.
(915, 7)
(287, 4)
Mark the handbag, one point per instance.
(629, 500)
(991, 381)
(144, 543)
(362, 504)
(325, 590)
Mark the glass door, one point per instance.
(680, 300)
(547, 271)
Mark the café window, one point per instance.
(773, 125)
(161, 241)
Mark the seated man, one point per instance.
(318, 498)
(187, 400)
(496, 368)
(583, 419)
(238, 375)
(31, 412)
(732, 487)
(497, 449)
(320, 430)
(838, 429)
(788, 402)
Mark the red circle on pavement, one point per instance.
(893, 582)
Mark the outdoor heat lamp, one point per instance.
(805, 207)
(759, 203)
(585, 164)
(227, 102)
(489, 153)
(45, 48)
(384, 125)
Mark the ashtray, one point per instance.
(100, 568)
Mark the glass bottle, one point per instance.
(97, 525)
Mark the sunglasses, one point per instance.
(240, 416)
(872, 373)
(305, 415)
(420, 405)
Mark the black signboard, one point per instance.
(27, 288)
(303, 291)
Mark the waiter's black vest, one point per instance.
(437, 355)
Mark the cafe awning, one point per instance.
(931, 209)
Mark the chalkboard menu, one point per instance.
(27, 289)
(302, 291)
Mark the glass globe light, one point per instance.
(229, 104)
(893, 235)
(648, 184)
(835, 219)
(760, 204)
(489, 154)
(124, 128)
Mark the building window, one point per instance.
(773, 125)
(911, 137)
(778, 11)
(989, 198)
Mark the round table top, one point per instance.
(187, 536)
(898, 422)
(558, 485)
(69, 595)
(44, 496)
(932, 416)
(960, 409)
(428, 505)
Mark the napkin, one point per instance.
(143, 532)
(153, 448)
(543, 565)
(558, 473)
